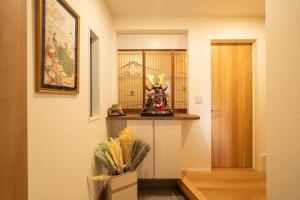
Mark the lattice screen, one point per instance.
(180, 79)
(173, 63)
(160, 62)
(130, 79)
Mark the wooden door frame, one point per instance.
(253, 42)
(13, 100)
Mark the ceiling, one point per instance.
(186, 8)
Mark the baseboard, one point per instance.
(196, 170)
(263, 161)
(260, 163)
(157, 183)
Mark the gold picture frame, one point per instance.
(57, 48)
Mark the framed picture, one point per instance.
(57, 48)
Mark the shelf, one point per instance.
(137, 116)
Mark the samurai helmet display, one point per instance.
(156, 81)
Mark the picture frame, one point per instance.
(57, 48)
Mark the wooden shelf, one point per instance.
(137, 116)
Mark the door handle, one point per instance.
(214, 110)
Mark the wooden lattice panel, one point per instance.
(180, 79)
(160, 62)
(135, 65)
(130, 79)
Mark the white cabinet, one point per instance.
(164, 137)
(167, 148)
(163, 134)
(143, 129)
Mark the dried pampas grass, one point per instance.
(121, 154)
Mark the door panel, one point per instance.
(231, 105)
(143, 129)
(167, 149)
(13, 100)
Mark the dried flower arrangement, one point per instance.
(122, 154)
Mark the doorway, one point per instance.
(231, 104)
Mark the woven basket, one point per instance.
(123, 187)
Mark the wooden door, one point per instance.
(232, 105)
(13, 100)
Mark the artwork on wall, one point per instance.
(57, 48)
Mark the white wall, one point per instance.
(196, 136)
(152, 41)
(61, 141)
(283, 97)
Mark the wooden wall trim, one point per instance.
(152, 50)
(233, 41)
(13, 100)
(144, 77)
(172, 81)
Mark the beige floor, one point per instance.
(229, 184)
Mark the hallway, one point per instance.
(150, 100)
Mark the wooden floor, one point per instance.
(227, 184)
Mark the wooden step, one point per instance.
(190, 190)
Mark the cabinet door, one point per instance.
(167, 142)
(143, 129)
